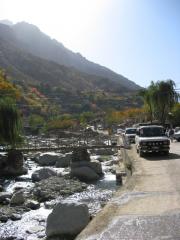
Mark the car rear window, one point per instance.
(131, 131)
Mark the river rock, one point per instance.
(12, 164)
(94, 165)
(64, 161)
(54, 187)
(3, 218)
(82, 167)
(1, 188)
(102, 151)
(43, 173)
(97, 167)
(48, 159)
(4, 196)
(17, 198)
(32, 204)
(15, 217)
(80, 154)
(67, 219)
(84, 173)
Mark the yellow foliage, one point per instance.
(120, 116)
(60, 124)
(7, 88)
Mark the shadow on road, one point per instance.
(160, 157)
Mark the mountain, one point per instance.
(39, 44)
(6, 22)
(75, 84)
(31, 69)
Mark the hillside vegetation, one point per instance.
(61, 83)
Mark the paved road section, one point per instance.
(149, 207)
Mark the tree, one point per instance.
(175, 115)
(10, 124)
(160, 97)
(164, 98)
(86, 117)
(146, 95)
(36, 122)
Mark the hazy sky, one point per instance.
(139, 39)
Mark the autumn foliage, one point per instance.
(60, 124)
(7, 88)
(121, 116)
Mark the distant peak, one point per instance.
(26, 26)
(6, 22)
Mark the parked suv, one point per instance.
(177, 135)
(130, 134)
(151, 138)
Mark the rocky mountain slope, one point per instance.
(33, 59)
(27, 42)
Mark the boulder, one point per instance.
(48, 159)
(4, 196)
(12, 164)
(32, 204)
(94, 165)
(43, 173)
(1, 188)
(102, 151)
(15, 217)
(17, 198)
(64, 161)
(55, 187)
(3, 218)
(67, 219)
(80, 154)
(84, 173)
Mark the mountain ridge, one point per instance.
(71, 89)
(41, 45)
(26, 67)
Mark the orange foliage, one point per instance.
(35, 91)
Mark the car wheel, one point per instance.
(141, 154)
(178, 139)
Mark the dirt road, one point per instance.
(149, 208)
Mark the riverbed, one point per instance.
(32, 224)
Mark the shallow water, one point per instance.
(32, 224)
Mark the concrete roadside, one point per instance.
(146, 207)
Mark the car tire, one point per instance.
(178, 139)
(141, 154)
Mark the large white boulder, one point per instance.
(43, 173)
(48, 159)
(67, 219)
